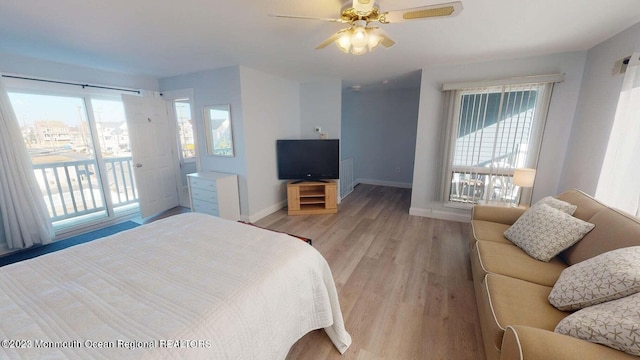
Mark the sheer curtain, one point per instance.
(25, 217)
(619, 183)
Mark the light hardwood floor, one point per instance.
(404, 282)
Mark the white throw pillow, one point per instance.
(606, 277)
(615, 324)
(563, 206)
(543, 232)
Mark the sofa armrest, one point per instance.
(524, 342)
(499, 214)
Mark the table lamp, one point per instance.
(523, 178)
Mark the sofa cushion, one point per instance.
(498, 214)
(511, 261)
(608, 276)
(489, 231)
(518, 302)
(587, 205)
(524, 342)
(613, 230)
(558, 204)
(615, 324)
(543, 232)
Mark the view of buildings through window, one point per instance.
(185, 129)
(492, 138)
(79, 148)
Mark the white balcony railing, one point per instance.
(73, 188)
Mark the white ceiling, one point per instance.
(163, 38)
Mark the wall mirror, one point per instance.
(217, 125)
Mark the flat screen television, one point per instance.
(308, 159)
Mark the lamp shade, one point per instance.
(524, 177)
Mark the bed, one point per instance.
(191, 286)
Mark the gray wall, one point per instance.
(379, 133)
(264, 108)
(217, 87)
(320, 104)
(596, 111)
(271, 107)
(426, 198)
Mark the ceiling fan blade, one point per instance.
(386, 41)
(423, 12)
(307, 18)
(331, 39)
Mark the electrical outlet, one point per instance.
(317, 129)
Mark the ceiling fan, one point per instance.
(360, 37)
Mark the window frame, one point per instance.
(453, 103)
(85, 94)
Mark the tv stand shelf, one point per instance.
(312, 197)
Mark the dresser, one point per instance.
(215, 193)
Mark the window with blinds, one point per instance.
(493, 130)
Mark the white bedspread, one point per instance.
(191, 286)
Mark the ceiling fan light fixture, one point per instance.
(358, 39)
(344, 41)
(358, 50)
(360, 36)
(374, 40)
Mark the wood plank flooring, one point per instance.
(404, 282)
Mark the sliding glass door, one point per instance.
(79, 148)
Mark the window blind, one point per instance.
(493, 131)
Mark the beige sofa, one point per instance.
(511, 288)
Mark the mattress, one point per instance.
(191, 286)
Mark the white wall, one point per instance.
(271, 111)
(29, 67)
(379, 132)
(320, 104)
(596, 111)
(426, 199)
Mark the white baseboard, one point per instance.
(184, 196)
(263, 213)
(383, 183)
(441, 214)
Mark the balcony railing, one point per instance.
(73, 188)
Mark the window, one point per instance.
(79, 147)
(185, 130)
(492, 131)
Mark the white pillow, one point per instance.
(563, 206)
(606, 277)
(543, 232)
(615, 324)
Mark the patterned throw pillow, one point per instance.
(608, 276)
(543, 232)
(615, 324)
(563, 206)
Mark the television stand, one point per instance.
(312, 197)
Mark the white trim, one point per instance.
(535, 79)
(515, 334)
(384, 183)
(263, 213)
(440, 214)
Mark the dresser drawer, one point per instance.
(215, 193)
(205, 207)
(204, 184)
(204, 195)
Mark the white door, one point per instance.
(153, 152)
